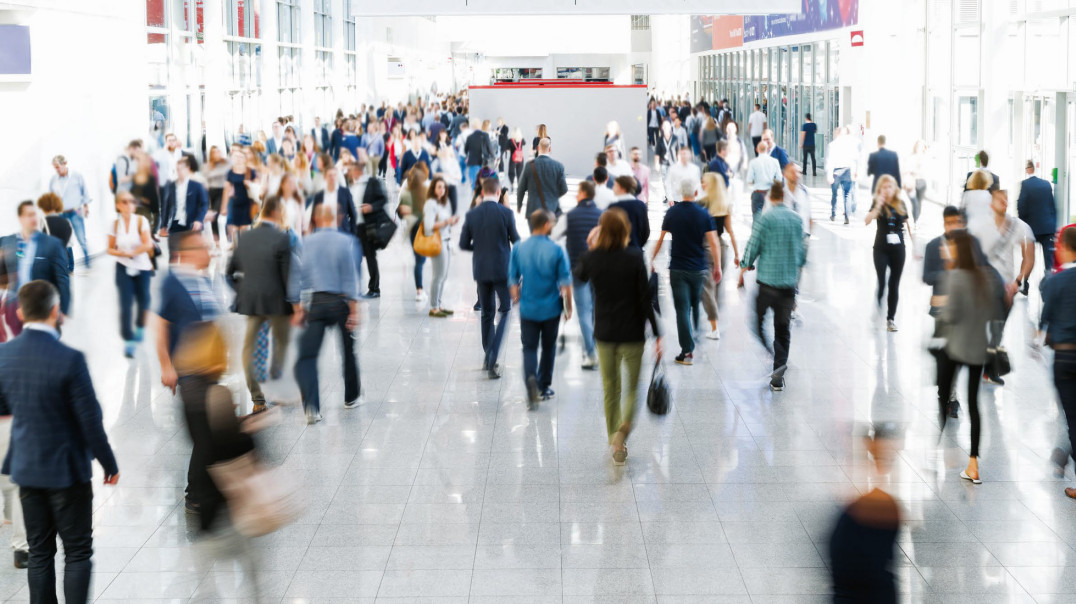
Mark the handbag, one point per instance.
(998, 360)
(654, 293)
(380, 233)
(658, 395)
(260, 500)
(427, 245)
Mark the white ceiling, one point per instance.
(376, 8)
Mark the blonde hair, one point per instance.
(894, 203)
(202, 351)
(714, 200)
(980, 180)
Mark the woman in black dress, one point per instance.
(147, 191)
(237, 202)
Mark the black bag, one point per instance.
(654, 292)
(380, 233)
(658, 395)
(997, 359)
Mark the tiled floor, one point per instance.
(443, 488)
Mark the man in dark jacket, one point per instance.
(188, 213)
(984, 160)
(636, 210)
(371, 198)
(1036, 207)
(340, 195)
(30, 255)
(542, 182)
(578, 223)
(264, 271)
(883, 161)
(489, 230)
(56, 432)
(477, 147)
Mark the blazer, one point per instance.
(197, 204)
(550, 173)
(57, 430)
(1036, 207)
(375, 197)
(489, 230)
(478, 148)
(883, 161)
(322, 140)
(50, 264)
(261, 272)
(345, 207)
(638, 217)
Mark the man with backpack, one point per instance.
(124, 169)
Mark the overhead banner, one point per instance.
(724, 32)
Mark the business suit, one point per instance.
(323, 139)
(883, 161)
(345, 209)
(196, 205)
(489, 230)
(56, 431)
(1036, 207)
(375, 197)
(264, 271)
(50, 264)
(547, 173)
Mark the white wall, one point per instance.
(671, 63)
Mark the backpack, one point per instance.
(517, 152)
(113, 177)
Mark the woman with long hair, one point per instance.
(216, 173)
(967, 308)
(437, 215)
(543, 132)
(146, 189)
(275, 167)
(891, 217)
(56, 225)
(291, 199)
(715, 201)
(310, 147)
(237, 202)
(617, 272)
(515, 157)
(412, 203)
(396, 147)
(708, 139)
(130, 242)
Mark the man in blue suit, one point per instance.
(489, 230)
(30, 255)
(1036, 207)
(56, 432)
(184, 202)
(883, 161)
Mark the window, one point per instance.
(242, 18)
(290, 63)
(323, 24)
(288, 21)
(640, 22)
(967, 121)
(349, 27)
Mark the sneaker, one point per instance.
(354, 403)
(684, 358)
(777, 384)
(954, 408)
(477, 307)
(714, 335)
(993, 379)
(494, 372)
(22, 558)
(832, 217)
(138, 334)
(371, 295)
(548, 394)
(846, 220)
(590, 362)
(890, 325)
(420, 296)
(129, 350)
(532, 393)
(312, 417)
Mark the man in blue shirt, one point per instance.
(691, 227)
(71, 188)
(1059, 322)
(807, 132)
(541, 266)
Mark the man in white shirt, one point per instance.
(603, 195)
(71, 188)
(842, 161)
(167, 158)
(756, 124)
(614, 166)
(761, 174)
(680, 172)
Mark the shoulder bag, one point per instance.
(658, 395)
(427, 245)
(538, 183)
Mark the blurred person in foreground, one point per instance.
(30, 255)
(56, 432)
(861, 546)
(1059, 322)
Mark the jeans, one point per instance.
(369, 253)
(420, 260)
(472, 173)
(686, 290)
(842, 179)
(758, 199)
(808, 152)
(1065, 382)
(441, 264)
(69, 513)
(584, 309)
(891, 256)
(612, 356)
(133, 290)
(532, 333)
(1046, 242)
(280, 325)
(78, 224)
(947, 369)
(10, 490)
(781, 301)
(491, 338)
(326, 310)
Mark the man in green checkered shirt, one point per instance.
(776, 250)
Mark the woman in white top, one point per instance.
(976, 205)
(292, 202)
(437, 214)
(737, 159)
(129, 241)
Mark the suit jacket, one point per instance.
(323, 139)
(883, 161)
(50, 264)
(197, 204)
(489, 230)
(345, 208)
(1036, 207)
(638, 217)
(57, 430)
(261, 272)
(478, 148)
(375, 197)
(550, 173)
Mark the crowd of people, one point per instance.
(295, 214)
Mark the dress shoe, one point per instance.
(22, 558)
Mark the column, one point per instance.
(307, 80)
(339, 73)
(216, 73)
(270, 89)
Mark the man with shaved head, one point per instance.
(542, 182)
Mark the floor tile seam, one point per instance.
(646, 550)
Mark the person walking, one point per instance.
(237, 200)
(369, 194)
(56, 432)
(478, 149)
(638, 216)
(840, 165)
(56, 225)
(540, 282)
(762, 172)
(516, 147)
(337, 197)
(776, 247)
(71, 188)
(31, 255)
(489, 231)
(130, 242)
(617, 273)
(715, 201)
(542, 182)
(216, 172)
(982, 160)
(774, 149)
(807, 144)
(691, 229)
(437, 216)
(641, 173)
(330, 276)
(883, 162)
(185, 201)
(1059, 324)
(682, 175)
(578, 224)
(146, 189)
(264, 271)
(756, 123)
(891, 217)
(1036, 207)
(412, 202)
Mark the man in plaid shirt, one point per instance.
(776, 250)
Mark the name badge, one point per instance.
(892, 239)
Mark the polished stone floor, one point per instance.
(444, 488)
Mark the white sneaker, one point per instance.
(312, 417)
(590, 362)
(355, 403)
(420, 296)
(891, 325)
(714, 335)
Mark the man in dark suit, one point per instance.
(636, 210)
(372, 201)
(320, 134)
(339, 195)
(1036, 207)
(883, 161)
(30, 255)
(184, 214)
(264, 271)
(542, 182)
(984, 160)
(489, 230)
(56, 432)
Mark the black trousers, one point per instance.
(947, 369)
(808, 152)
(67, 512)
(326, 310)
(891, 256)
(755, 140)
(201, 489)
(1065, 382)
(652, 136)
(781, 301)
(369, 252)
(492, 337)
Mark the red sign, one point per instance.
(727, 32)
(857, 38)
